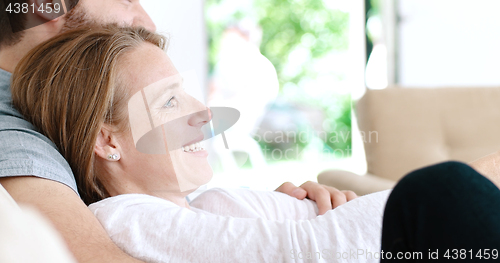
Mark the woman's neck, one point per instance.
(117, 186)
(179, 199)
(176, 198)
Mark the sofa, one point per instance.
(407, 128)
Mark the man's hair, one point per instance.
(12, 25)
(69, 86)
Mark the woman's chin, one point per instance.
(202, 175)
(194, 176)
(201, 180)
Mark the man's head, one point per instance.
(20, 31)
(122, 12)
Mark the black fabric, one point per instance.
(447, 208)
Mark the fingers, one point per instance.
(350, 195)
(326, 197)
(338, 197)
(292, 190)
(320, 195)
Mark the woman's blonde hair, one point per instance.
(68, 87)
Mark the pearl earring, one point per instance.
(114, 157)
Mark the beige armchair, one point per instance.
(408, 128)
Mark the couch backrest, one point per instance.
(407, 128)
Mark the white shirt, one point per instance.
(243, 226)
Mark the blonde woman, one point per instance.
(92, 101)
(89, 97)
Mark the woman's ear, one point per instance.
(106, 145)
(47, 10)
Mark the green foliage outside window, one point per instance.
(305, 28)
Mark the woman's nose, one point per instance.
(200, 118)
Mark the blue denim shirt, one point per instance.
(23, 150)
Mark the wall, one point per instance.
(184, 22)
(448, 43)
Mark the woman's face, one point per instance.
(161, 153)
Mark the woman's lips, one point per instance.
(202, 153)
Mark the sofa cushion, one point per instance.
(407, 128)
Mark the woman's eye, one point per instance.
(170, 103)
